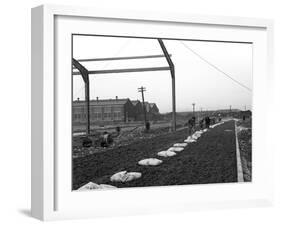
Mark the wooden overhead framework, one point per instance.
(85, 75)
(121, 58)
(172, 70)
(125, 70)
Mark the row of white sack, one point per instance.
(125, 176)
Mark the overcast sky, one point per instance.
(196, 80)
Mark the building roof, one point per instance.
(135, 102)
(111, 102)
(102, 102)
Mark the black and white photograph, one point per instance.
(160, 112)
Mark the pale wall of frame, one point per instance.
(43, 103)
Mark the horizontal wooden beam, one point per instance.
(126, 70)
(122, 58)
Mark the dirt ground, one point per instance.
(212, 159)
(127, 136)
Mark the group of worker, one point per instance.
(106, 138)
(192, 123)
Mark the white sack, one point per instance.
(176, 149)
(166, 153)
(180, 145)
(124, 176)
(92, 186)
(150, 162)
(106, 186)
(196, 135)
(190, 140)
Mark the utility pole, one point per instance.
(142, 90)
(245, 107)
(193, 106)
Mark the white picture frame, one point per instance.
(47, 184)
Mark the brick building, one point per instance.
(110, 111)
(138, 110)
(102, 111)
(152, 111)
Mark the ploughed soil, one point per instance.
(212, 159)
(126, 136)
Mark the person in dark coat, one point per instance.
(207, 122)
(106, 139)
(201, 123)
(191, 125)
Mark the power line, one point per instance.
(118, 52)
(108, 62)
(218, 69)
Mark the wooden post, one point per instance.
(87, 99)
(173, 99)
(172, 70)
(85, 75)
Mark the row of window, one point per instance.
(98, 116)
(97, 109)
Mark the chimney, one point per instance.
(97, 98)
(116, 97)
